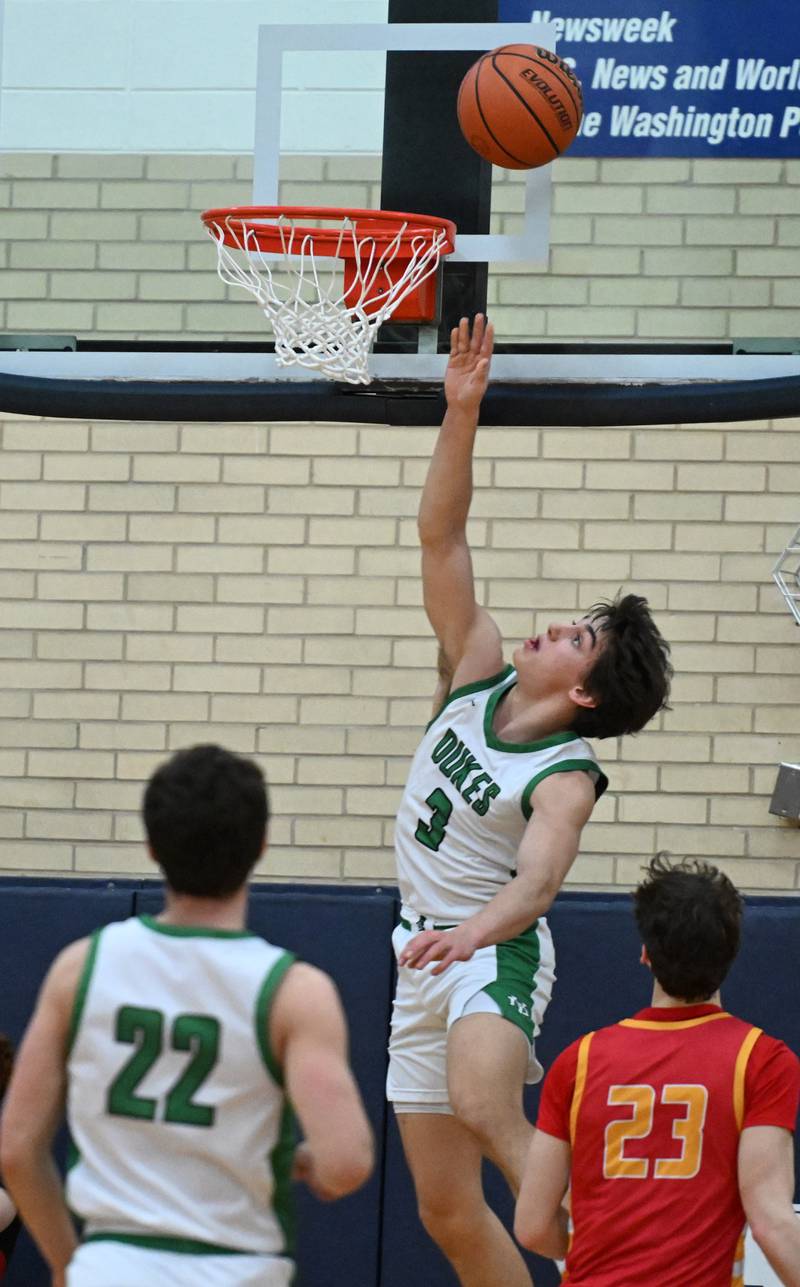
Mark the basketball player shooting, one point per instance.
(489, 825)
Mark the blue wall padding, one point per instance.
(374, 1239)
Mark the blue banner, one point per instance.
(706, 78)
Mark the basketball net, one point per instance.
(786, 575)
(317, 322)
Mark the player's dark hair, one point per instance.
(6, 1062)
(631, 673)
(205, 813)
(690, 918)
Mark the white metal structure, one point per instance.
(786, 574)
(532, 245)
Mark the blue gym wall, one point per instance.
(373, 1239)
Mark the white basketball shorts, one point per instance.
(513, 979)
(107, 1263)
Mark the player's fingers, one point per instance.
(454, 341)
(463, 335)
(426, 952)
(477, 332)
(446, 960)
(488, 340)
(413, 949)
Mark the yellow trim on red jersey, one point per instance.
(745, 1050)
(656, 1025)
(580, 1083)
(737, 1280)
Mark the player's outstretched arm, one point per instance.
(467, 634)
(541, 1221)
(308, 1033)
(34, 1107)
(766, 1186)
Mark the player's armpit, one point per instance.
(766, 1186)
(308, 1033)
(541, 1221)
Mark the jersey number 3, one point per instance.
(431, 834)
(688, 1129)
(197, 1033)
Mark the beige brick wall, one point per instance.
(654, 249)
(258, 585)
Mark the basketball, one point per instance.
(520, 106)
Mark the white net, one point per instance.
(318, 322)
(786, 575)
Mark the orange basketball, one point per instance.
(520, 106)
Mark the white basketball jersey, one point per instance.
(468, 800)
(174, 1098)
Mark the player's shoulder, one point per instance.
(565, 1064)
(304, 987)
(771, 1050)
(66, 972)
(71, 960)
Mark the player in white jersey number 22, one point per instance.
(178, 1042)
(489, 825)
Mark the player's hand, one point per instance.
(467, 373)
(442, 946)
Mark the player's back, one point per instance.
(657, 1111)
(174, 1097)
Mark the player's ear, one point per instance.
(581, 697)
(644, 959)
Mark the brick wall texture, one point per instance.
(258, 585)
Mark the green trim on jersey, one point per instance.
(281, 1160)
(191, 931)
(83, 988)
(516, 748)
(479, 686)
(186, 1246)
(566, 766)
(264, 999)
(517, 966)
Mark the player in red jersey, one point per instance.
(673, 1128)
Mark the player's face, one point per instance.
(558, 659)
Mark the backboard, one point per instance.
(122, 120)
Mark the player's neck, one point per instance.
(522, 718)
(208, 913)
(662, 999)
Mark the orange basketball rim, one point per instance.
(328, 320)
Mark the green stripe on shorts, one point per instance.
(184, 1246)
(512, 990)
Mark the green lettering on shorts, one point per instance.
(512, 990)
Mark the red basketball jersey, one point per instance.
(653, 1108)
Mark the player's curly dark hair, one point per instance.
(630, 676)
(205, 813)
(6, 1062)
(690, 918)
